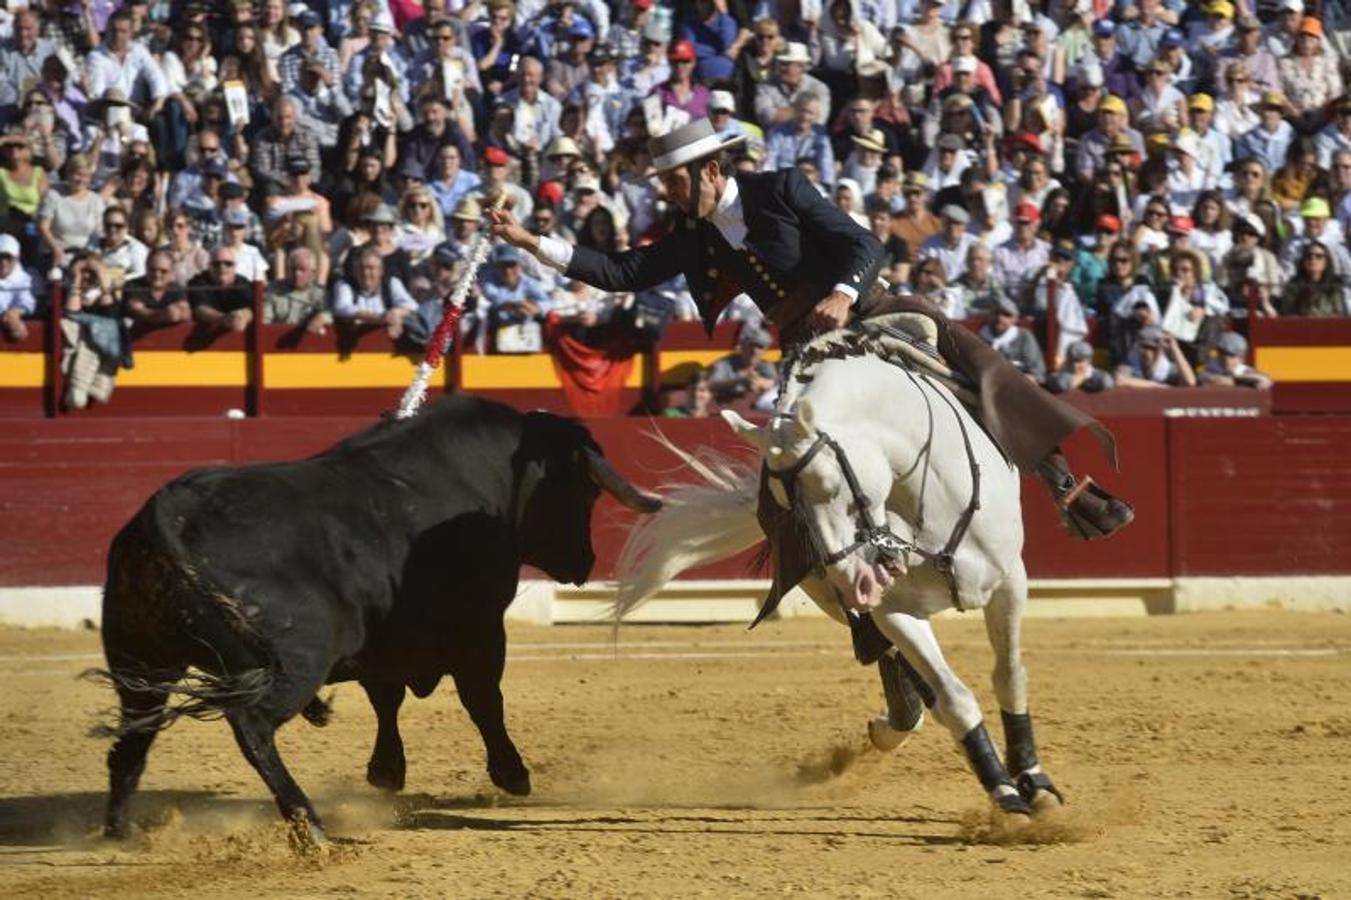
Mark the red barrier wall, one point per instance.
(1260, 496)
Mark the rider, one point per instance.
(810, 268)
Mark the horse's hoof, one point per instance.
(1013, 806)
(517, 783)
(885, 738)
(307, 835)
(1039, 792)
(116, 831)
(386, 778)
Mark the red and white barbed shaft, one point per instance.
(440, 340)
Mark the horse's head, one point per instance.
(836, 480)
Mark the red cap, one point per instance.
(641, 4)
(1180, 225)
(1025, 139)
(1108, 222)
(496, 156)
(1027, 212)
(681, 50)
(550, 193)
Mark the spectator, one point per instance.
(1250, 274)
(1311, 77)
(1195, 309)
(682, 91)
(745, 375)
(776, 100)
(154, 299)
(93, 333)
(16, 290)
(800, 139)
(1213, 234)
(716, 40)
(951, 245)
(22, 57)
(249, 262)
(370, 297)
(1053, 294)
(22, 185)
(123, 256)
(220, 299)
(69, 217)
(896, 255)
(1315, 215)
(1227, 367)
(1258, 65)
(699, 401)
(1078, 373)
(979, 287)
(188, 256)
(1015, 343)
(299, 298)
(917, 223)
(1270, 141)
(1316, 289)
(1155, 361)
(931, 286)
(1017, 260)
(451, 183)
(652, 68)
(421, 228)
(310, 51)
(517, 303)
(280, 141)
(121, 64)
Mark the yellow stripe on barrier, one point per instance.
(1305, 363)
(177, 368)
(19, 369)
(522, 371)
(671, 360)
(321, 370)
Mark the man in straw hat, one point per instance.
(810, 268)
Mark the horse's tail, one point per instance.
(699, 523)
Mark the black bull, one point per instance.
(388, 559)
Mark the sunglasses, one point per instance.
(223, 263)
(421, 204)
(114, 226)
(160, 271)
(1121, 261)
(1156, 212)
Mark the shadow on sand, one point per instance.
(46, 819)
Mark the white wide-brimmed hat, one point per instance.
(687, 144)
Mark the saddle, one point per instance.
(914, 337)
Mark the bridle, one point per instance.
(876, 541)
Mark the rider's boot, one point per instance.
(1087, 510)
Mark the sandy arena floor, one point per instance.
(1202, 756)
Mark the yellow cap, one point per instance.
(1201, 101)
(1220, 8)
(1112, 104)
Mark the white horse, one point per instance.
(881, 464)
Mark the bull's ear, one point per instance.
(751, 434)
(805, 418)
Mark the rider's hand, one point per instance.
(832, 312)
(505, 227)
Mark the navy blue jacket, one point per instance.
(798, 247)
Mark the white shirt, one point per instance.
(138, 68)
(728, 217)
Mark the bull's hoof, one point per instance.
(515, 783)
(885, 738)
(385, 776)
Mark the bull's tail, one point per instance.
(699, 523)
(176, 643)
(195, 695)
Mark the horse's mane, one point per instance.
(842, 343)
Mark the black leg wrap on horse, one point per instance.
(905, 706)
(1030, 782)
(1020, 748)
(870, 644)
(984, 759)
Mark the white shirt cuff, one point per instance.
(850, 292)
(554, 252)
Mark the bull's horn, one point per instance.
(618, 487)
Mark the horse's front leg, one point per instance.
(1003, 625)
(954, 706)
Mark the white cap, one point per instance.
(9, 246)
(296, 10)
(965, 64)
(795, 52)
(383, 21)
(1091, 75)
(722, 100)
(1187, 142)
(1253, 221)
(1292, 5)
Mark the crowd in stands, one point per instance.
(1145, 173)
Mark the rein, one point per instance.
(876, 540)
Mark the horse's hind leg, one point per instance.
(1003, 625)
(954, 706)
(141, 715)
